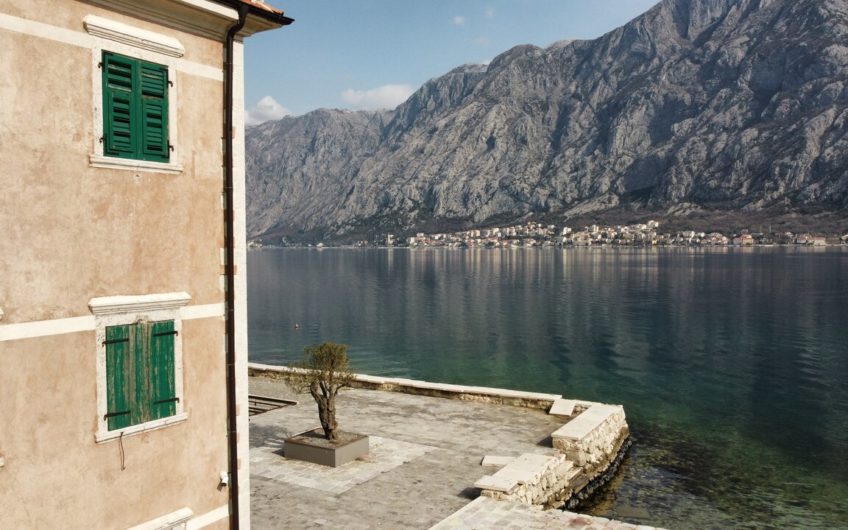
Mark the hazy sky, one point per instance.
(366, 54)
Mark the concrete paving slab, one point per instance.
(563, 407)
(496, 461)
(385, 454)
(415, 494)
(426, 455)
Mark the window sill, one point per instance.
(130, 164)
(101, 437)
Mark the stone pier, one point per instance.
(432, 456)
(588, 446)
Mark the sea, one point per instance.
(731, 363)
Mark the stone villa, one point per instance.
(123, 336)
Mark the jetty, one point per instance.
(442, 457)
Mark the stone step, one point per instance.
(496, 461)
(563, 407)
(586, 422)
(525, 469)
(578, 480)
(573, 472)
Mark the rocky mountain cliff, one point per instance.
(695, 106)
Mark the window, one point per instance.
(140, 385)
(139, 361)
(135, 109)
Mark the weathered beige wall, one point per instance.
(56, 476)
(72, 232)
(78, 232)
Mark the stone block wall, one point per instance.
(593, 439)
(549, 486)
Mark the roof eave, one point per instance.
(269, 18)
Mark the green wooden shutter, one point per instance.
(135, 109)
(120, 119)
(154, 112)
(163, 395)
(120, 367)
(140, 343)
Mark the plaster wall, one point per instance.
(55, 475)
(79, 232)
(73, 232)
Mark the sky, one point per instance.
(370, 54)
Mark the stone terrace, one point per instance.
(425, 457)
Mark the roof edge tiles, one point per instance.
(261, 9)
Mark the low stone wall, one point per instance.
(592, 439)
(500, 396)
(590, 446)
(585, 491)
(530, 479)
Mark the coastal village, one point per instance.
(533, 234)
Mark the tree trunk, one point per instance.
(327, 415)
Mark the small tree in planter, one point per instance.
(324, 371)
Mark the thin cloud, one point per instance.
(382, 97)
(482, 41)
(459, 20)
(490, 13)
(267, 109)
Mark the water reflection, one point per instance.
(732, 362)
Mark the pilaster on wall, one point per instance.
(240, 233)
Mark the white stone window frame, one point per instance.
(177, 520)
(124, 310)
(112, 36)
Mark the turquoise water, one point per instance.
(732, 364)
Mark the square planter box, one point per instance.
(311, 446)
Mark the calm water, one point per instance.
(732, 364)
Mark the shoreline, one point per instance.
(553, 247)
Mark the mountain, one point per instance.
(710, 108)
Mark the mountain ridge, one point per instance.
(696, 106)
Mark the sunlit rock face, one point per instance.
(722, 104)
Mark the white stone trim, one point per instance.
(45, 31)
(122, 310)
(45, 328)
(84, 40)
(194, 312)
(136, 37)
(109, 162)
(63, 326)
(145, 303)
(201, 17)
(240, 287)
(210, 517)
(173, 521)
(101, 437)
